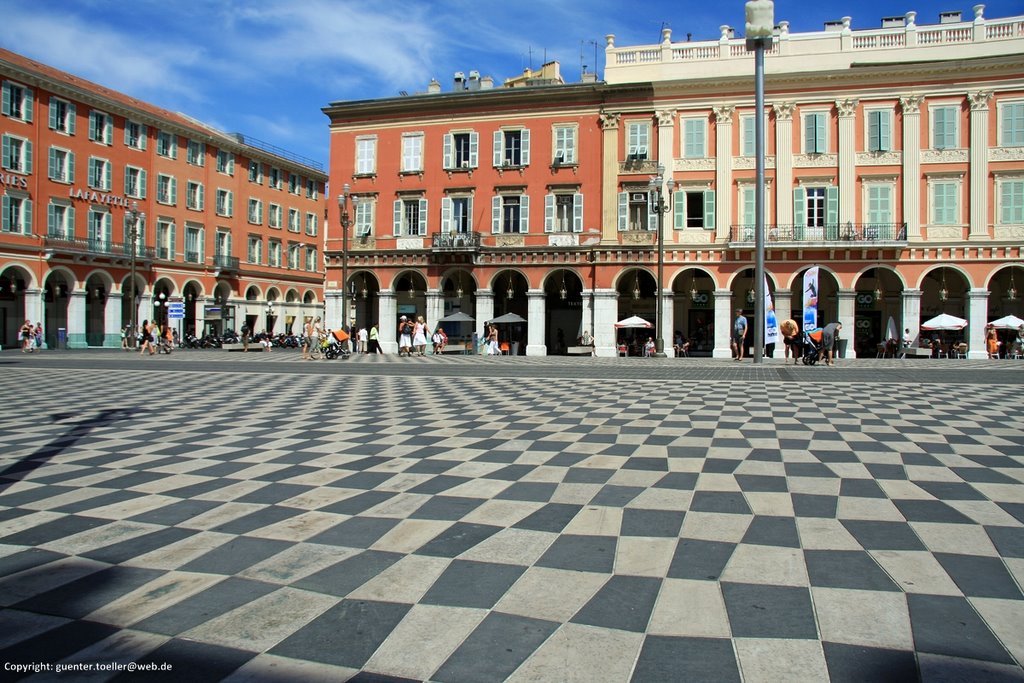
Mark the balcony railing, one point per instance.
(225, 263)
(455, 241)
(96, 247)
(847, 233)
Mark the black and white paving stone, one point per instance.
(262, 518)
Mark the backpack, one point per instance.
(407, 329)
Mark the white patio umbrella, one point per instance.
(1009, 322)
(944, 321)
(633, 321)
(457, 317)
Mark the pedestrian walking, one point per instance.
(419, 336)
(39, 335)
(739, 333)
(147, 338)
(405, 330)
(364, 337)
(374, 335)
(26, 337)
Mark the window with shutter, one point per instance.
(1011, 125)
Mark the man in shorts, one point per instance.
(739, 333)
(829, 341)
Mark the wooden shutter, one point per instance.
(549, 213)
(446, 214)
(496, 214)
(397, 224)
(679, 210)
(498, 135)
(524, 213)
(577, 212)
(474, 149)
(524, 140)
(800, 208)
(422, 227)
(623, 211)
(447, 160)
(709, 209)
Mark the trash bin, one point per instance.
(62, 338)
(841, 343)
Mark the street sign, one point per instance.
(175, 311)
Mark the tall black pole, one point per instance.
(759, 311)
(134, 234)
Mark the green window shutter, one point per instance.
(53, 113)
(577, 212)
(496, 214)
(446, 214)
(127, 135)
(709, 209)
(422, 227)
(885, 131)
(26, 207)
(469, 214)
(819, 133)
(809, 142)
(525, 146)
(474, 150)
(6, 224)
(202, 245)
(800, 207)
(874, 132)
(172, 241)
(447, 161)
(831, 206)
(1013, 125)
(28, 110)
(71, 118)
(92, 172)
(397, 224)
(144, 134)
(6, 112)
(127, 182)
(679, 210)
(623, 211)
(748, 199)
(653, 217)
(92, 126)
(172, 191)
(28, 156)
(71, 167)
(52, 167)
(524, 213)
(202, 197)
(6, 158)
(549, 212)
(497, 148)
(51, 220)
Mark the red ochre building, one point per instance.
(894, 156)
(230, 227)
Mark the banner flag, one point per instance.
(771, 323)
(811, 298)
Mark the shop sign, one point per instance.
(98, 197)
(11, 180)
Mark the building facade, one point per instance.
(895, 163)
(97, 185)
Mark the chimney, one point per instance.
(836, 25)
(588, 77)
(474, 80)
(459, 82)
(950, 17)
(486, 83)
(893, 22)
(434, 87)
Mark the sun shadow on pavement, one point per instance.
(75, 432)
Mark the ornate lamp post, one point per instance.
(346, 223)
(134, 234)
(760, 26)
(661, 207)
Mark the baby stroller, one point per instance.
(336, 344)
(811, 341)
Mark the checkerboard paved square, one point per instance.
(421, 522)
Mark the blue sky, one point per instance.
(266, 67)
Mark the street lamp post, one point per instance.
(134, 234)
(661, 208)
(346, 222)
(760, 27)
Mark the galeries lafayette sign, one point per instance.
(98, 197)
